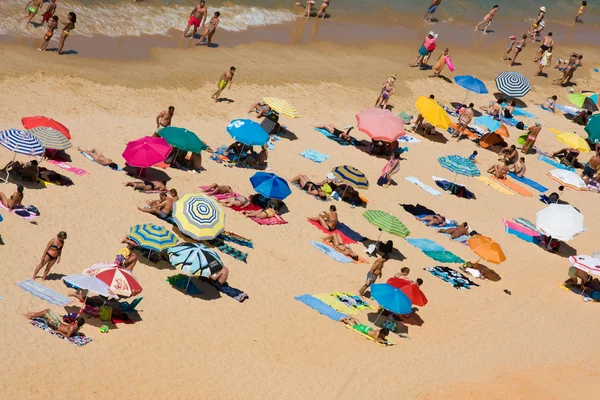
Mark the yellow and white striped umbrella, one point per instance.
(199, 216)
(282, 107)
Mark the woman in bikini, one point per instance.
(32, 9)
(67, 28)
(327, 220)
(237, 201)
(337, 243)
(488, 18)
(519, 45)
(324, 5)
(261, 214)
(387, 91)
(549, 104)
(433, 220)
(217, 189)
(209, 32)
(309, 187)
(52, 254)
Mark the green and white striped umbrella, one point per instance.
(50, 138)
(387, 222)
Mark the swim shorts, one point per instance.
(589, 171)
(362, 328)
(222, 84)
(423, 51)
(431, 9)
(194, 21)
(47, 17)
(544, 47)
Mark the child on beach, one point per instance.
(440, 64)
(52, 25)
(226, 80)
(387, 91)
(545, 61)
(581, 11)
(511, 45)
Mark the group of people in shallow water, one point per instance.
(50, 21)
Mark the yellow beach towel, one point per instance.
(514, 186)
(495, 185)
(344, 302)
(386, 344)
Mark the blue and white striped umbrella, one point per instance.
(195, 259)
(351, 176)
(153, 237)
(459, 165)
(513, 84)
(21, 142)
(199, 216)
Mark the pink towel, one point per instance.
(221, 196)
(66, 166)
(520, 228)
(269, 221)
(31, 215)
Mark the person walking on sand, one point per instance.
(440, 64)
(209, 31)
(545, 61)
(519, 45)
(225, 81)
(52, 25)
(547, 42)
(49, 12)
(373, 274)
(427, 47)
(197, 17)
(581, 11)
(511, 45)
(387, 91)
(164, 119)
(431, 10)
(32, 9)
(488, 19)
(67, 28)
(323, 9)
(52, 254)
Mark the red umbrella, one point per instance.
(34, 122)
(120, 281)
(380, 124)
(146, 151)
(412, 291)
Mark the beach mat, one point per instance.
(515, 187)
(495, 185)
(235, 238)
(229, 250)
(336, 139)
(386, 342)
(20, 211)
(78, 339)
(270, 221)
(359, 261)
(345, 239)
(453, 277)
(585, 297)
(321, 307)
(521, 232)
(408, 139)
(555, 163)
(314, 155)
(434, 251)
(44, 293)
(423, 186)
(331, 252)
(456, 189)
(528, 182)
(344, 302)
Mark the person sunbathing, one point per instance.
(336, 240)
(163, 210)
(125, 257)
(344, 135)
(519, 167)
(53, 321)
(499, 170)
(309, 187)
(174, 197)
(14, 201)
(461, 230)
(215, 188)
(26, 172)
(148, 186)
(237, 201)
(378, 335)
(262, 109)
(262, 214)
(327, 220)
(567, 156)
(99, 158)
(433, 220)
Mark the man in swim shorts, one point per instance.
(547, 43)
(162, 210)
(344, 135)
(591, 168)
(431, 10)
(374, 273)
(54, 322)
(50, 10)
(226, 80)
(197, 16)
(164, 119)
(378, 335)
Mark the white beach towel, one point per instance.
(423, 186)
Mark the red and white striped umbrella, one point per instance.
(119, 280)
(587, 264)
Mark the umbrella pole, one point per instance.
(188, 284)
(376, 319)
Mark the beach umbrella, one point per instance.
(270, 185)
(432, 112)
(50, 138)
(146, 151)
(119, 280)
(567, 179)
(560, 221)
(351, 176)
(247, 132)
(182, 139)
(471, 83)
(380, 124)
(198, 216)
(459, 165)
(21, 142)
(593, 128)
(574, 141)
(513, 84)
(488, 122)
(152, 237)
(195, 259)
(412, 291)
(487, 249)
(89, 283)
(587, 101)
(281, 106)
(34, 122)
(386, 222)
(587, 264)
(391, 298)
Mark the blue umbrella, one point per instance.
(490, 123)
(21, 142)
(195, 259)
(471, 83)
(391, 298)
(247, 132)
(270, 185)
(459, 165)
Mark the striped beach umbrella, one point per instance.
(282, 107)
(387, 223)
(459, 165)
(21, 142)
(119, 280)
(587, 264)
(567, 179)
(199, 216)
(50, 138)
(153, 237)
(195, 259)
(351, 176)
(34, 122)
(513, 84)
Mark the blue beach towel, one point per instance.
(314, 156)
(336, 139)
(555, 163)
(339, 257)
(434, 251)
(522, 235)
(528, 182)
(425, 244)
(44, 293)
(521, 112)
(321, 307)
(423, 186)
(511, 121)
(567, 109)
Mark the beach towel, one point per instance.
(528, 224)
(321, 307)
(44, 293)
(314, 156)
(408, 139)
(336, 139)
(328, 198)
(20, 212)
(585, 296)
(510, 121)
(78, 339)
(514, 186)
(454, 188)
(182, 281)
(349, 232)
(423, 186)
(251, 207)
(453, 277)
(567, 109)
(331, 252)
(270, 221)
(345, 239)
(220, 196)
(66, 166)
(359, 261)
(385, 343)
(235, 238)
(521, 232)
(344, 302)
(495, 185)
(230, 291)
(528, 182)
(539, 151)
(227, 249)
(434, 251)
(555, 163)
(86, 155)
(519, 111)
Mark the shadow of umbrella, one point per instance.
(518, 102)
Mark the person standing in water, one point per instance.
(197, 16)
(540, 17)
(67, 28)
(226, 80)
(323, 9)
(209, 32)
(32, 9)
(519, 45)
(431, 10)
(488, 19)
(49, 13)
(581, 11)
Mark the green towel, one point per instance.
(227, 249)
(237, 239)
(444, 257)
(406, 117)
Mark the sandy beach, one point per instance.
(537, 343)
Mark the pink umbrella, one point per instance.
(146, 151)
(380, 124)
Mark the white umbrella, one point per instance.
(587, 264)
(91, 284)
(560, 221)
(568, 179)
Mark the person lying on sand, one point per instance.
(499, 170)
(309, 187)
(14, 201)
(378, 335)
(262, 109)
(328, 220)
(99, 157)
(268, 212)
(344, 135)
(567, 156)
(54, 322)
(162, 210)
(237, 201)
(215, 188)
(339, 245)
(148, 186)
(461, 230)
(433, 220)
(374, 273)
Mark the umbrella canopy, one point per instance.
(471, 83)
(459, 165)
(270, 185)
(433, 112)
(587, 264)
(21, 142)
(488, 122)
(182, 139)
(380, 124)
(593, 128)
(119, 280)
(247, 132)
(34, 122)
(195, 259)
(90, 283)
(513, 84)
(351, 176)
(282, 107)
(199, 216)
(567, 179)
(153, 237)
(391, 298)
(574, 141)
(412, 291)
(587, 101)
(387, 222)
(560, 221)
(146, 151)
(487, 249)
(50, 138)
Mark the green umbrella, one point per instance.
(593, 128)
(387, 222)
(182, 139)
(588, 101)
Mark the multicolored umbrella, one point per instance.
(587, 101)
(459, 165)
(199, 216)
(567, 179)
(282, 107)
(195, 259)
(433, 112)
(391, 298)
(270, 185)
(182, 139)
(146, 151)
(34, 122)
(560, 221)
(152, 237)
(574, 141)
(351, 176)
(593, 128)
(21, 142)
(487, 249)
(587, 264)
(387, 223)
(50, 138)
(513, 84)
(471, 83)
(247, 132)
(412, 291)
(119, 280)
(380, 124)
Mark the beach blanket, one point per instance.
(235, 238)
(585, 296)
(434, 251)
(20, 212)
(78, 339)
(495, 185)
(408, 139)
(345, 239)
(453, 277)
(314, 155)
(227, 249)
(86, 155)
(423, 186)
(331, 252)
(321, 307)
(522, 232)
(567, 109)
(528, 182)
(359, 261)
(183, 282)
(336, 139)
(44, 293)
(510, 121)
(236, 294)
(514, 186)
(344, 302)
(66, 166)
(454, 188)
(519, 111)
(555, 163)
(385, 343)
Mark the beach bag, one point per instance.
(105, 313)
(520, 125)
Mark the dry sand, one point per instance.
(478, 344)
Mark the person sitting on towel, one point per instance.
(162, 210)
(258, 160)
(499, 170)
(55, 324)
(510, 154)
(327, 220)
(519, 167)
(344, 135)
(461, 230)
(265, 213)
(378, 335)
(433, 220)
(567, 156)
(309, 187)
(13, 201)
(262, 109)
(336, 240)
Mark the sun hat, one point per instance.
(513, 37)
(543, 9)
(431, 33)
(537, 123)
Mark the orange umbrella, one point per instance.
(487, 249)
(502, 131)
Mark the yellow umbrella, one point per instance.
(432, 112)
(574, 141)
(199, 216)
(282, 107)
